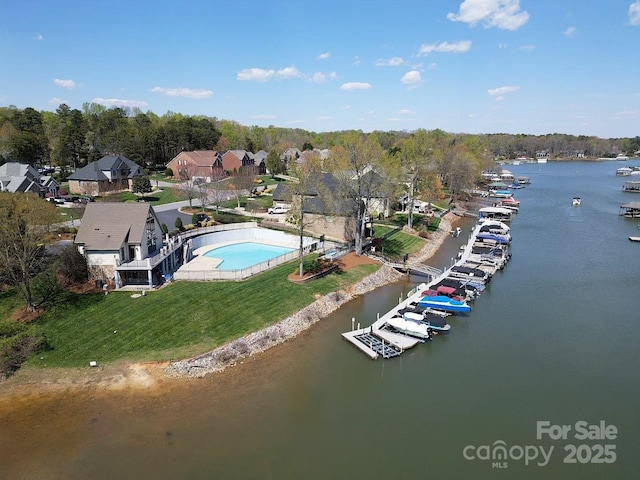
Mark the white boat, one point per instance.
(576, 200)
(496, 213)
(410, 327)
(542, 159)
(622, 156)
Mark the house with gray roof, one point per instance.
(260, 161)
(123, 244)
(110, 174)
(22, 177)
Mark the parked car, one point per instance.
(272, 210)
(203, 217)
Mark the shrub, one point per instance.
(72, 265)
(17, 343)
(316, 265)
(223, 217)
(178, 223)
(168, 172)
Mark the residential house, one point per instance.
(332, 209)
(234, 160)
(112, 173)
(260, 161)
(290, 155)
(22, 177)
(123, 244)
(197, 164)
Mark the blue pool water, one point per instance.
(242, 255)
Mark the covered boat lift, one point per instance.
(630, 210)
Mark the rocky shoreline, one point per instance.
(231, 353)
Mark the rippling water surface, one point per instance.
(554, 338)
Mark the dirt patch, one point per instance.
(25, 316)
(349, 261)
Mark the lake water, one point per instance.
(554, 338)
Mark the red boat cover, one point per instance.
(448, 291)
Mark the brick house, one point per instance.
(203, 164)
(234, 160)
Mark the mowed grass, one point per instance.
(178, 321)
(398, 243)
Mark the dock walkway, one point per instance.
(376, 340)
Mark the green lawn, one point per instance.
(398, 243)
(159, 197)
(180, 320)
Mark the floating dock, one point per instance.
(378, 341)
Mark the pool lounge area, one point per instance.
(239, 254)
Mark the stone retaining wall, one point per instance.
(256, 342)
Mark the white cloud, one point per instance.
(500, 92)
(195, 93)
(390, 62)
(318, 77)
(570, 31)
(116, 102)
(70, 84)
(406, 111)
(39, 37)
(527, 48)
(288, 72)
(411, 78)
(502, 14)
(355, 86)
(255, 74)
(634, 13)
(324, 56)
(445, 47)
(356, 60)
(56, 101)
(627, 113)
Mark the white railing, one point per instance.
(213, 274)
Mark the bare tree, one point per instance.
(218, 188)
(309, 188)
(355, 163)
(189, 187)
(25, 220)
(242, 182)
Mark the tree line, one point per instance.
(71, 138)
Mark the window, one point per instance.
(152, 241)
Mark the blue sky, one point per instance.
(472, 66)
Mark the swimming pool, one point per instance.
(242, 255)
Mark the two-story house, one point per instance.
(235, 160)
(197, 164)
(123, 244)
(110, 174)
(22, 177)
